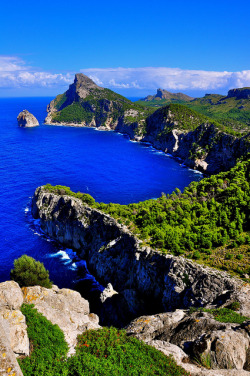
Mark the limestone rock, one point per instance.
(16, 329)
(63, 307)
(147, 328)
(11, 296)
(108, 292)
(26, 119)
(168, 349)
(8, 362)
(226, 349)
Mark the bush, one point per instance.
(29, 272)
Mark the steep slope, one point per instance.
(198, 140)
(163, 97)
(149, 280)
(88, 104)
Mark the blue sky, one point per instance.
(132, 47)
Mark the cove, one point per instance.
(104, 164)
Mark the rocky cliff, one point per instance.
(63, 307)
(242, 93)
(147, 280)
(206, 147)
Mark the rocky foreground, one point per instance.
(184, 335)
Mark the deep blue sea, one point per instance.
(104, 164)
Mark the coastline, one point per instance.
(135, 139)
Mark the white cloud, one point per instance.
(14, 73)
(168, 78)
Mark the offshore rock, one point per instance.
(114, 255)
(26, 119)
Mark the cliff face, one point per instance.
(242, 93)
(113, 254)
(206, 147)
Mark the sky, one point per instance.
(131, 47)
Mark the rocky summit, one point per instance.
(26, 119)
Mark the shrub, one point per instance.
(29, 272)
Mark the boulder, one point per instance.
(11, 296)
(26, 119)
(224, 349)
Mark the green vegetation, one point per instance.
(99, 105)
(156, 103)
(230, 112)
(223, 314)
(49, 347)
(207, 222)
(29, 272)
(102, 352)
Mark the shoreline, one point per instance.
(147, 143)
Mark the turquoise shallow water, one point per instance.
(104, 164)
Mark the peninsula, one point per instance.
(199, 141)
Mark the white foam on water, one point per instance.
(64, 255)
(26, 210)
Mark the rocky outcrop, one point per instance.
(242, 93)
(206, 148)
(26, 119)
(63, 307)
(114, 255)
(196, 339)
(164, 94)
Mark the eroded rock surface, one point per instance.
(196, 338)
(26, 119)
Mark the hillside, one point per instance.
(232, 111)
(88, 104)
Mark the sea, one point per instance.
(105, 164)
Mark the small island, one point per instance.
(26, 119)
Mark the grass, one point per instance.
(223, 314)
